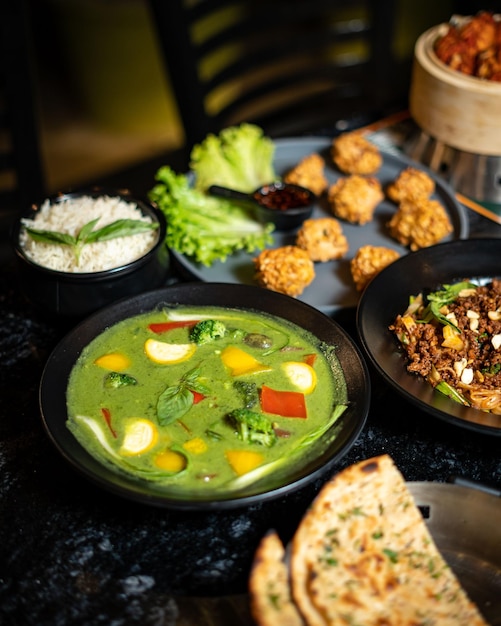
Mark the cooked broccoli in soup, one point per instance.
(207, 330)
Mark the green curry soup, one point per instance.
(195, 399)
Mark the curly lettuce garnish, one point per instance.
(204, 227)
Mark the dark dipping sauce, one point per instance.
(281, 197)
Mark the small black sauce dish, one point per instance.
(285, 205)
(73, 295)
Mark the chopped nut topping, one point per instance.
(496, 341)
(467, 375)
(467, 293)
(459, 367)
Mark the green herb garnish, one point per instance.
(451, 393)
(178, 399)
(115, 380)
(441, 298)
(119, 228)
(391, 554)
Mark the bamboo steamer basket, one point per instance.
(461, 111)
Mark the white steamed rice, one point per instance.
(69, 216)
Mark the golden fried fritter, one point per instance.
(309, 173)
(369, 261)
(288, 270)
(355, 198)
(420, 224)
(322, 238)
(411, 184)
(353, 154)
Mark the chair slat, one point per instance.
(224, 58)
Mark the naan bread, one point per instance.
(362, 556)
(271, 602)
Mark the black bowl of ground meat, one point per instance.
(430, 325)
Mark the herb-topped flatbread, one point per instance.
(270, 592)
(363, 556)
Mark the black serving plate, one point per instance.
(333, 288)
(387, 295)
(347, 428)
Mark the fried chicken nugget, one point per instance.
(369, 261)
(322, 238)
(355, 198)
(354, 154)
(309, 173)
(288, 270)
(411, 184)
(420, 224)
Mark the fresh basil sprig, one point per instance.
(177, 400)
(440, 298)
(119, 228)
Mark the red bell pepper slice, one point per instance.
(197, 397)
(284, 403)
(163, 327)
(310, 359)
(107, 418)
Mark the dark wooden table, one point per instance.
(73, 554)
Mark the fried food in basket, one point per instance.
(355, 198)
(354, 154)
(420, 224)
(410, 184)
(472, 46)
(309, 173)
(362, 554)
(323, 239)
(369, 261)
(288, 270)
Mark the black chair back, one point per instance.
(21, 169)
(291, 66)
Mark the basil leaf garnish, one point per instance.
(87, 234)
(176, 400)
(173, 403)
(49, 236)
(120, 228)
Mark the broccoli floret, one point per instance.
(248, 391)
(236, 334)
(253, 427)
(114, 380)
(207, 330)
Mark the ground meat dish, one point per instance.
(466, 357)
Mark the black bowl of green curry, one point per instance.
(349, 377)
